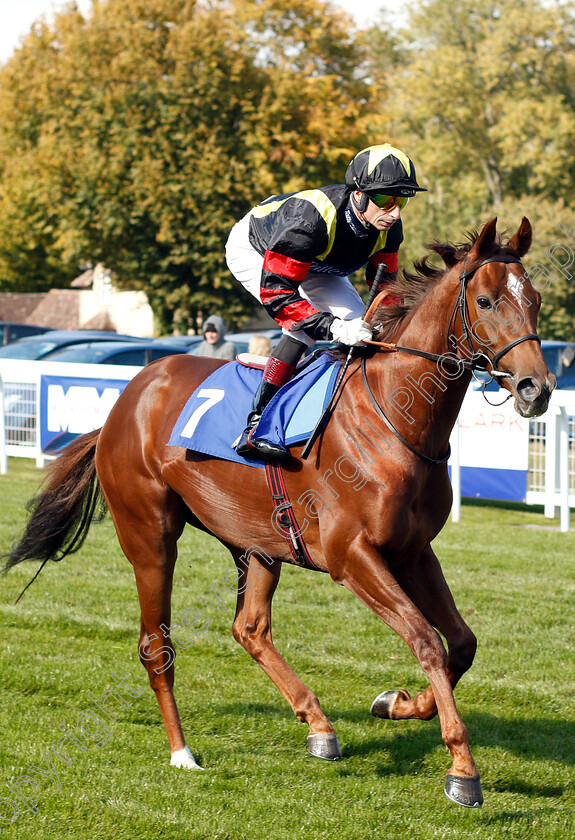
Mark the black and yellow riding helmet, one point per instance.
(382, 169)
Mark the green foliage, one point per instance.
(488, 93)
(483, 101)
(139, 135)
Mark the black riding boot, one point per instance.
(278, 370)
(248, 447)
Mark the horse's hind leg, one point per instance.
(423, 582)
(252, 629)
(148, 525)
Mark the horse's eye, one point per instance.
(483, 302)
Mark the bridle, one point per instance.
(460, 306)
(479, 360)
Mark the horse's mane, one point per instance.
(411, 287)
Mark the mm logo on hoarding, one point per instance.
(79, 409)
(72, 406)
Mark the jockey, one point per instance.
(294, 253)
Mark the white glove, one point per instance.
(352, 333)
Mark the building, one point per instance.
(91, 302)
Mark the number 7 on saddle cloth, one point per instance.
(215, 413)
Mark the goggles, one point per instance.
(388, 202)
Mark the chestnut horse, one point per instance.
(373, 496)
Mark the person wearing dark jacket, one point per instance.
(294, 253)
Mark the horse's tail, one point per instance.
(64, 508)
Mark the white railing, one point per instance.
(3, 455)
(21, 412)
(552, 451)
(551, 472)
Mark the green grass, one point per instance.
(78, 623)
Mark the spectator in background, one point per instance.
(260, 345)
(214, 344)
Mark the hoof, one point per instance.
(183, 758)
(383, 704)
(324, 746)
(466, 792)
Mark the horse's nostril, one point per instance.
(528, 389)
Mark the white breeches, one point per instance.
(327, 292)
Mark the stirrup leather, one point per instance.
(276, 373)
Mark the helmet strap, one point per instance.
(361, 205)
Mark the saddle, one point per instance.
(215, 413)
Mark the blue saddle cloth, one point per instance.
(216, 413)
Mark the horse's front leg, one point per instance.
(365, 573)
(423, 582)
(253, 630)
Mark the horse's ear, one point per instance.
(484, 242)
(446, 251)
(521, 242)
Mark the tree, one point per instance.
(139, 136)
(484, 103)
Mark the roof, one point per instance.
(100, 321)
(60, 309)
(18, 307)
(84, 280)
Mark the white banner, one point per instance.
(493, 437)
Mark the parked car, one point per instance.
(38, 346)
(11, 331)
(137, 353)
(241, 340)
(482, 380)
(319, 346)
(20, 409)
(185, 340)
(560, 359)
(274, 336)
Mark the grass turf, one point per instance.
(514, 581)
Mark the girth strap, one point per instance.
(286, 518)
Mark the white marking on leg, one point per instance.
(184, 758)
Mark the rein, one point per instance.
(478, 361)
(465, 364)
(392, 428)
